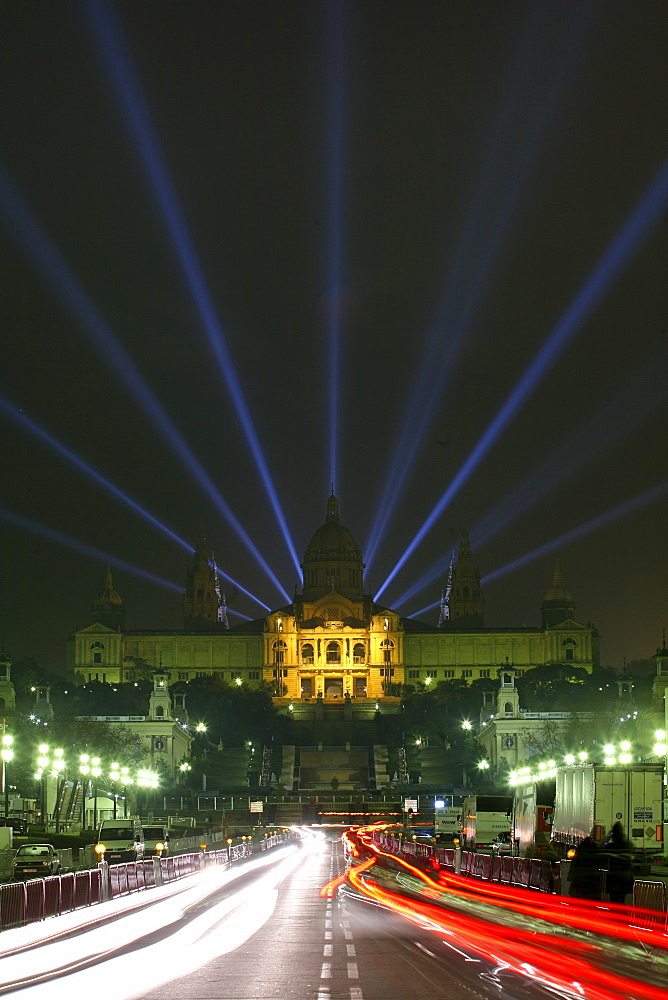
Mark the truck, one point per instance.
(156, 840)
(485, 819)
(590, 798)
(447, 823)
(533, 808)
(122, 839)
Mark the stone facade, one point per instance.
(333, 641)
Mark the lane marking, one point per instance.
(350, 949)
(328, 935)
(327, 951)
(348, 935)
(326, 970)
(353, 972)
(356, 993)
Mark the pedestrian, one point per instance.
(620, 864)
(584, 873)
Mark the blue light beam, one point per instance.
(643, 218)
(622, 510)
(334, 226)
(35, 528)
(489, 216)
(636, 402)
(60, 449)
(57, 273)
(129, 92)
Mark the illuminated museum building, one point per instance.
(333, 641)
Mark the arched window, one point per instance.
(96, 645)
(307, 652)
(508, 708)
(569, 651)
(333, 652)
(359, 655)
(159, 711)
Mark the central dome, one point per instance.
(333, 560)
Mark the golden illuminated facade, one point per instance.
(333, 642)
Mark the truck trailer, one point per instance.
(590, 798)
(532, 814)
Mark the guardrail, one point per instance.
(26, 902)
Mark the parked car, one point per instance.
(20, 826)
(35, 861)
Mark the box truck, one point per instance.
(486, 818)
(590, 798)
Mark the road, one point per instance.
(253, 932)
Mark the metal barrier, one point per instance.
(649, 905)
(25, 902)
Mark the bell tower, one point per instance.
(466, 603)
(200, 601)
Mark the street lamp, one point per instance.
(7, 755)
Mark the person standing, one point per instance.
(584, 873)
(620, 864)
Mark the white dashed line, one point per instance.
(350, 949)
(328, 935)
(327, 951)
(356, 993)
(353, 972)
(326, 971)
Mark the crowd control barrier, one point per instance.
(527, 873)
(25, 902)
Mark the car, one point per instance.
(20, 826)
(35, 861)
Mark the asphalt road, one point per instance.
(255, 931)
(313, 948)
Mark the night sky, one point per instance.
(430, 188)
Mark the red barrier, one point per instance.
(81, 889)
(34, 900)
(118, 880)
(506, 875)
(496, 868)
(521, 872)
(467, 857)
(446, 857)
(52, 896)
(12, 905)
(67, 892)
(95, 886)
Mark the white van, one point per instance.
(123, 840)
(156, 840)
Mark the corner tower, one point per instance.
(466, 603)
(333, 560)
(200, 601)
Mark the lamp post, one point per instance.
(7, 755)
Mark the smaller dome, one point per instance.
(109, 595)
(557, 591)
